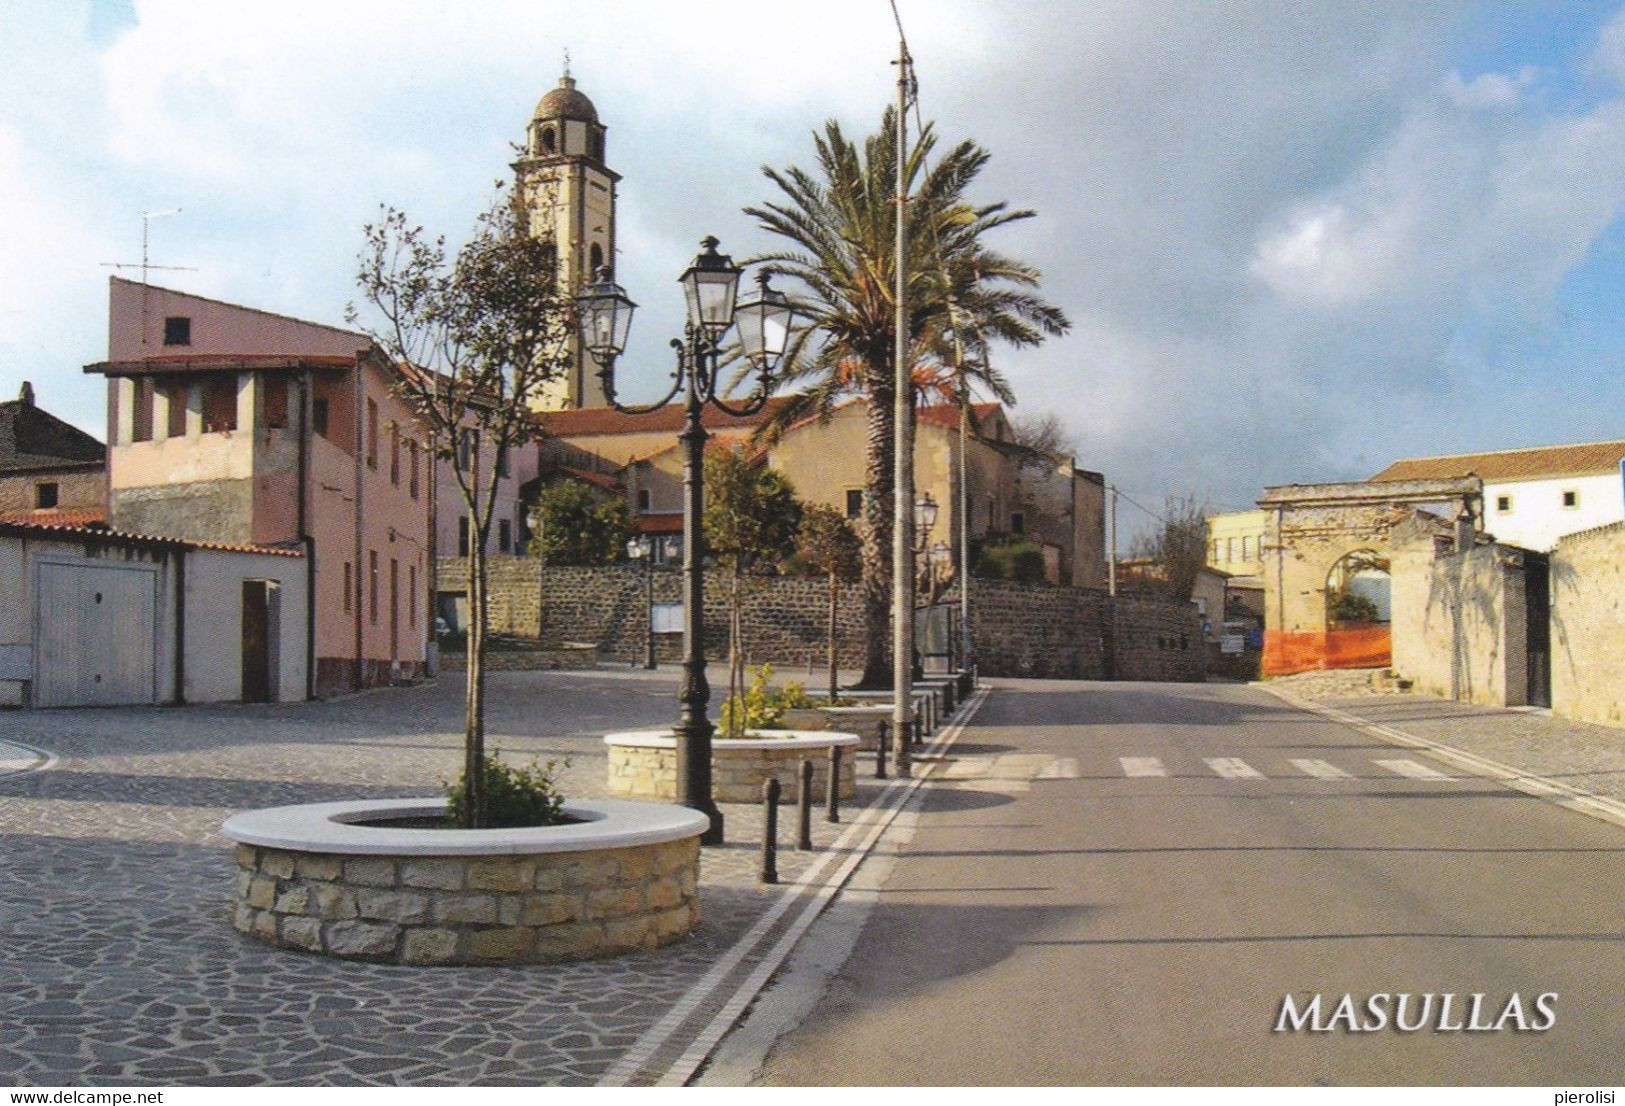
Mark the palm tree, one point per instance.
(962, 297)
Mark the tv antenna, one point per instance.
(146, 218)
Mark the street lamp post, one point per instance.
(710, 286)
(641, 548)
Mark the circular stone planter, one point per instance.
(643, 764)
(865, 721)
(327, 878)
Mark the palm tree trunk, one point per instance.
(877, 539)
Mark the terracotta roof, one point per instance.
(597, 479)
(592, 421)
(660, 524)
(80, 516)
(120, 537)
(947, 414)
(1512, 464)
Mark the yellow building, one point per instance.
(1235, 542)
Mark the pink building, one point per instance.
(228, 424)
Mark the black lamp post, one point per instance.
(710, 286)
(642, 548)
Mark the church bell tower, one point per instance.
(571, 196)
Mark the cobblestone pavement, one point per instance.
(1584, 756)
(118, 962)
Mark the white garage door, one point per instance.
(93, 636)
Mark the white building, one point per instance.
(1532, 497)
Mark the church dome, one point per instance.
(564, 102)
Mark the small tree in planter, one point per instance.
(751, 516)
(828, 544)
(476, 336)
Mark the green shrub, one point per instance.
(1350, 606)
(1017, 560)
(514, 796)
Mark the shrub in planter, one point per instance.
(514, 796)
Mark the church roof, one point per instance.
(564, 102)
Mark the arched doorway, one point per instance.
(1358, 590)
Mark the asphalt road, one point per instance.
(1066, 915)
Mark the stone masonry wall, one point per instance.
(1069, 633)
(459, 910)
(1588, 625)
(1019, 629)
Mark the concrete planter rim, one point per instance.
(790, 739)
(860, 709)
(340, 828)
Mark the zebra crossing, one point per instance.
(1235, 768)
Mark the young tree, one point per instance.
(839, 223)
(576, 529)
(828, 544)
(1177, 548)
(476, 335)
(750, 519)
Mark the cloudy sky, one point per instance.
(1296, 239)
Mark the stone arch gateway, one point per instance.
(1309, 530)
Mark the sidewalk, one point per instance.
(120, 965)
(1578, 764)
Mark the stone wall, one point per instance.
(784, 616)
(1588, 625)
(458, 910)
(1071, 633)
(739, 769)
(1019, 629)
(1459, 626)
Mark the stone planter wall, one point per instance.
(513, 904)
(644, 765)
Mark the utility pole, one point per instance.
(902, 448)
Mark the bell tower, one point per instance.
(571, 196)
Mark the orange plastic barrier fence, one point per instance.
(1358, 647)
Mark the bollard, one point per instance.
(832, 795)
(919, 722)
(880, 750)
(804, 807)
(770, 832)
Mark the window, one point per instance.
(596, 145)
(180, 397)
(45, 495)
(596, 260)
(395, 454)
(220, 405)
(1213, 555)
(462, 536)
(178, 330)
(141, 416)
(502, 459)
(412, 468)
(468, 448)
(504, 535)
(372, 586)
(1018, 523)
(349, 583)
(1246, 547)
(1571, 498)
(643, 501)
(275, 404)
(854, 502)
(412, 596)
(1503, 504)
(372, 433)
(318, 415)
(547, 140)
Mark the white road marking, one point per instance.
(1321, 770)
(1142, 766)
(1412, 769)
(1233, 768)
(1061, 768)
